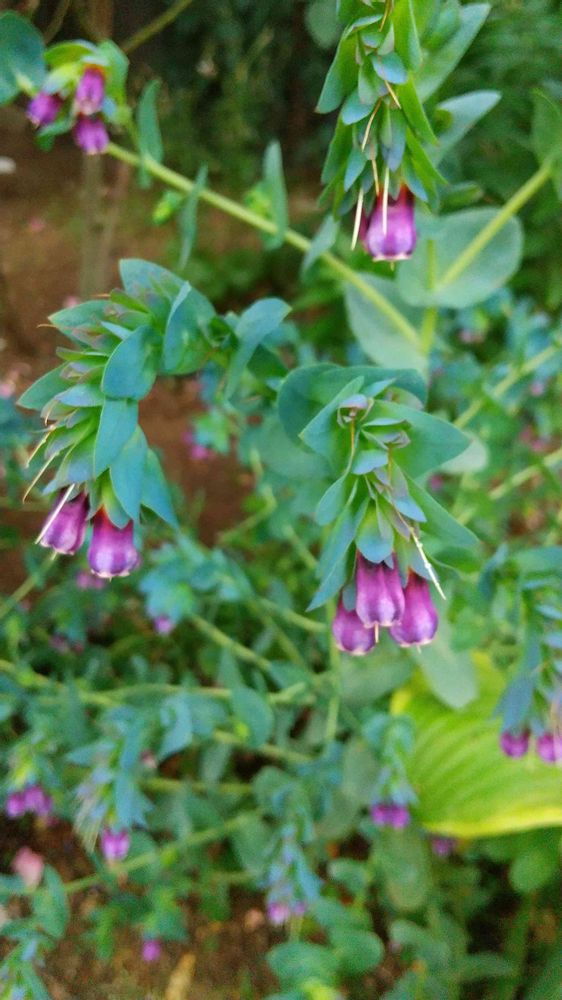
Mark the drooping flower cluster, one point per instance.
(388, 232)
(84, 108)
(111, 551)
(32, 799)
(548, 745)
(382, 601)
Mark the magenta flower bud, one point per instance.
(278, 913)
(43, 108)
(37, 801)
(90, 92)
(65, 526)
(163, 625)
(15, 805)
(514, 744)
(442, 847)
(91, 135)
(380, 598)
(381, 813)
(549, 747)
(151, 950)
(350, 634)
(390, 234)
(29, 866)
(115, 844)
(419, 621)
(112, 550)
(399, 816)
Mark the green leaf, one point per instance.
(295, 962)
(175, 718)
(140, 277)
(406, 35)
(356, 951)
(462, 113)
(276, 191)
(449, 672)
(185, 348)
(78, 322)
(378, 335)
(252, 709)
(537, 864)
(340, 79)
(439, 522)
(117, 423)
(127, 473)
(466, 786)
(403, 862)
(432, 441)
(51, 904)
(187, 218)
(322, 241)
(370, 542)
(546, 135)
(332, 501)
(44, 389)
(22, 57)
(133, 366)
(415, 114)
(421, 280)
(155, 492)
(83, 394)
(255, 324)
(77, 466)
(438, 67)
(149, 137)
(319, 433)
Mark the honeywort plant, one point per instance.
(134, 708)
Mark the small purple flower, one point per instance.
(163, 625)
(391, 234)
(197, 452)
(65, 526)
(91, 135)
(112, 550)
(43, 109)
(443, 847)
(90, 92)
(37, 801)
(380, 813)
(514, 744)
(419, 621)
(151, 950)
(350, 634)
(278, 913)
(29, 866)
(380, 598)
(115, 844)
(15, 805)
(390, 814)
(549, 747)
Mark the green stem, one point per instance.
(236, 648)
(291, 236)
(427, 332)
(26, 587)
(517, 479)
(155, 26)
(486, 235)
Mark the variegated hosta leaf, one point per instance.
(466, 786)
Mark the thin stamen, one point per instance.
(54, 513)
(357, 221)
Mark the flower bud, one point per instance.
(151, 950)
(163, 625)
(278, 913)
(15, 805)
(419, 621)
(90, 134)
(29, 866)
(350, 634)
(90, 91)
(549, 747)
(36, 800)
(115, 844)
(390, 235)
(390, 814)
(514, 744)
(380, 598)
(65, 527)
(112, 550)
(43, 109)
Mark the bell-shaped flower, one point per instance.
(514, 744)
(115, 844)
(389, 231)
(151, 950)
(65, 526)
(350, 633)
(91, 135)
(112, 550)
(380, 598)
(549, 747)
(43, 109)
(90, 91)
(419, 621)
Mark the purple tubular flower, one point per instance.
(151, 950)
(43, 108)
(390, 235)
(115, 844)
(419, 621)
(15, 805)
(112, 550)
(380, 598)
(380, 813)
(163, 625)
(514, 744)
(37, 801)
(350, 634)
(90, 92)
(91, 135)
(399, 816)
(442, 847)
(549, 747)
(278, 913)
(65, 527)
